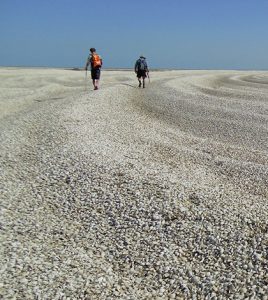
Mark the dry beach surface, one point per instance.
(128, 193)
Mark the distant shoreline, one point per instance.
(127, 69)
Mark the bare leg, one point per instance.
(139, 82)
(95, 84)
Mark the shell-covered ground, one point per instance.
(132, 193)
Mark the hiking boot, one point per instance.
(96, 88)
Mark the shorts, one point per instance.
(141, 73)
(95, 74)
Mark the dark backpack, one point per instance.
(142, 66)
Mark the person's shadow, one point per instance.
(129, 85)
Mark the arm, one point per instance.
(88, 62)
(146, 67)
(136, 67)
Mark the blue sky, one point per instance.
(187, 34)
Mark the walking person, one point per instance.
(95, 62)
(141, 69)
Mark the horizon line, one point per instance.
(127, 69)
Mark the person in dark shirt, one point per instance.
(141, 69)
(95, 62)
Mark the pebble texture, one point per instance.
(128, 193)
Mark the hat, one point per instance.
(142, 56)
